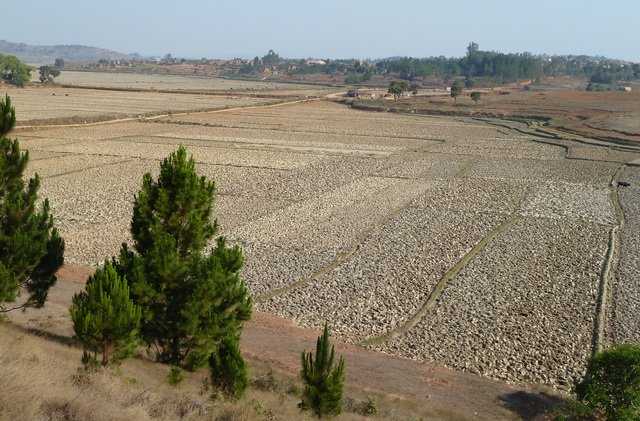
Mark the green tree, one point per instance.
(13, 71)
(191, 299)
(105, 319)
(59, 63)
(397, 88)
(456, 90)
(48, 73)
(324, 380)
(228, 369)
(612, 383)
(31, 251)
(476, 96)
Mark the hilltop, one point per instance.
(41, 54)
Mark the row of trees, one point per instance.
(498, 67)
(15, 72)
(187, 304)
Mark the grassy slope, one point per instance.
(41, 379)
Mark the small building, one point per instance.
(627, 88)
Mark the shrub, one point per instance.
(31, 251)
(191, 299)
(175, 376)
(324, 381)
(612, 383)
(228, 369)
(104, 318)
(475, 96)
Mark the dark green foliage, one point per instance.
(175, 376)
(31, 251)
(456, 90)
(191, 299)
(48, 73)
(612, 383)
(324, 380)
(476, 96)
(228, 369)
(397, 88)
(13, 71)
(105, 319)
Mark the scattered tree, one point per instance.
(397, 88)
(324, 380)
(59, 63)
(612, 383)
(191, 299)
(105, 319)
(13, 71)
(456, 90)
(31, 251)
(48, 73)
(414, 88)
(228, 369)
(476, 96)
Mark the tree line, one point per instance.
(496, 66)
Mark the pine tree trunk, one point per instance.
(106, 351)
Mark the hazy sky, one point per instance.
(329, 28)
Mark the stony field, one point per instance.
(438, 239)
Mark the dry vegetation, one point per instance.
(42, 379)
(371, 212)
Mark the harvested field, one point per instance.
(523, 310)
(433, 238)
(625, 325)
(177, 83)
(44, 104)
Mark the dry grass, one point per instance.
(41, 379)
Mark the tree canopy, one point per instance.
(13, 71)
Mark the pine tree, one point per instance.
(105, 319)
(323, 380)
(191, 299)
(227, 367)
(31, 251)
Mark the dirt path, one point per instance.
(278, 342)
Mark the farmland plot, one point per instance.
(436, 239)
(43, 104)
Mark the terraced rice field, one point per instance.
(44, 104)
(171, 82)
(436, 239)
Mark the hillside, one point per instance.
(41, 54)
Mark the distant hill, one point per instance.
(44, 54)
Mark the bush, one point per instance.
(324, 381)
(191, 299)
(104, 318)
(31, 251)
(175, 376)
(612, 383)
(228, 369)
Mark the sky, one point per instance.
(329, 28)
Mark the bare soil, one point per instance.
(600, 115)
